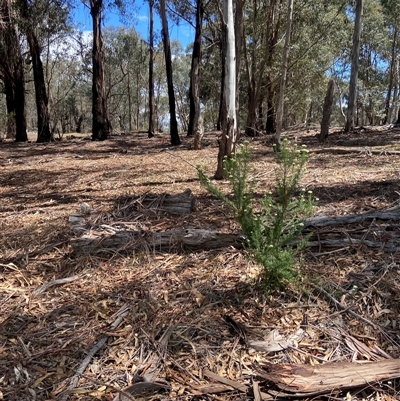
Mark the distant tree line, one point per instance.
(55, 80)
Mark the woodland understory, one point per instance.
(190, 324)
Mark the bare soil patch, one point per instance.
(180, 320)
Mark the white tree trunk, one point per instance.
(229, 129)
(230, 78)
(279, 113)
(395, 106)
(354, 66)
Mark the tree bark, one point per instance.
(43, 115)
(351, 107)
(194, 90)
(10, 106)
(229, 130)
(151, 130)
(306, 380)
(177, 239)
(101, 127)
(273, 29)
(222, 108)
(327, 111)
(279, 116)
(19, 96)
(391, 77)
(12, 67)
(175, 140)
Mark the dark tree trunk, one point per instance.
(101, 127)
(273, 29)
(221, 113)
(391, 75)
(151, 71)
(43, 115)
(78, 124)
(270, 123)
(326, 115)
(194, 96)
(19, 98)
(10, 105)
(175, 140)
(352, 101)
(11, 65)
(239, 41)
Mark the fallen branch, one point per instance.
(360, 150)
(178, 239)
(324, 221)
(330, 298)
(307, 380)
(82, 367)
(46, 286)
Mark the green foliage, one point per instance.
(272, 228)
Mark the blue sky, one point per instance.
(139, 20)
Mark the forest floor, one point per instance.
(177, 324)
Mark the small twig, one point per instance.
(52, 283)
(82, 367)
(180, 157)
(350, 311)
(117, 390)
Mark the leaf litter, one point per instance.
(186, 324)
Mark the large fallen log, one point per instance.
(106, 238)
(307, 380)
(178, 239)
(182, 203)
(331, 221)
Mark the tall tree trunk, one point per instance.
(222, 108)
(327, 111)
(270, 123)
(10, 106)
(273, 29)
(150, 132)
(101, 127)
(19, 98)
(239, 42)
(229, 131)
(251, 67)
(391, 77)
(395, 107)
(279, 117)
(194, 90)
(43, 115)
(351, 108)
(12, 66)
(175, 140)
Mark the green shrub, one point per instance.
(273, 227)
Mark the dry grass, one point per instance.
(45, 336)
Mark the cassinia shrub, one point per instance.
(273, 227)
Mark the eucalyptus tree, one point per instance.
(354, 66)
(12, 72)
(175, 140)
(101, 127)
(126, 55)
(68, 75)
(150, 131)
(391, 13)
(227, 142)
(194, 92)
(41, 19)
(279, 118)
